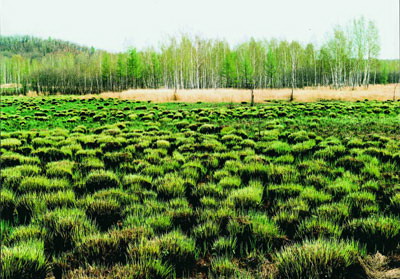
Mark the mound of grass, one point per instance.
(64, 229)
(171, 186)
(104, 212)
(318, 259)
(317, 228)
(42, 184)
(247, 197)
(61, 169)
(25, 233)
(24, 260)
(380, 233)
(8, 204)
(97, 180)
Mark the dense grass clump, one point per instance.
(64, 228)
(318, 259)
(380, 233)
(24, 260)
(98, 180)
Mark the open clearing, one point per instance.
(374, 92)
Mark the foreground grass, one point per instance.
(108, 188)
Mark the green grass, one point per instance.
(123, 189)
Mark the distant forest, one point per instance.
(348, 57)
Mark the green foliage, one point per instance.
(377, 232)
(139, 190)
(97, 180)
(24, 260)
(318, 259)
(64, 229)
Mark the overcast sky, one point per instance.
(115, 25)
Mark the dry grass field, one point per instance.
(373, 92)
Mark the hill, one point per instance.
(33, 47)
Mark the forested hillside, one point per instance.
(36, 48)
(347, 58)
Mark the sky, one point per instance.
(115, 25)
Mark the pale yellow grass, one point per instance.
(373, 92)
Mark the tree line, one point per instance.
(348, 57)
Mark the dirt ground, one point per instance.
(373, 92)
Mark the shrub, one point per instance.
(24, 260)
(318, 259)
(379, 233)
(101, 179)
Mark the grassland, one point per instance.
(112, 188)
(308, 94)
